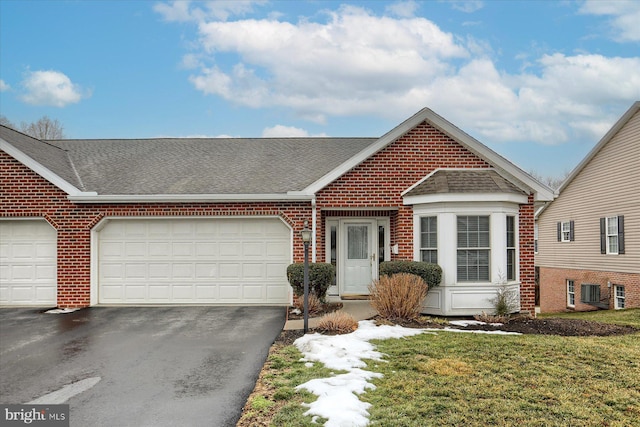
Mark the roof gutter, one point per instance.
(189, 198)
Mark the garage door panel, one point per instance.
(206, 271)
(195, 260)
(252, 271)
(252, 292)
(229, 292)
(230, 250)
(28, 260)
(253, 249)
(207, 292)
(230, 271)
(207, 249)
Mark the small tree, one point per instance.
(44, 128)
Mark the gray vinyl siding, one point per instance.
(609, 185)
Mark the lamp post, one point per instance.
(306, 238)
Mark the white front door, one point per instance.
(359, 256)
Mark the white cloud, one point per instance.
(280, 131)
(403, 9)
(50, 88)
(467, 6)
(332, 68)
(4, 86)
(183, 11)
(625, 17)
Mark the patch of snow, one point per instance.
(296, 311)
(338, 395)
(496, 332)
(465, 323)
(61, 310)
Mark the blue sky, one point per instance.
(538, 82)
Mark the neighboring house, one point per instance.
(588, 245)
(217, 221)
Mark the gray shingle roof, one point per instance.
(51, 157)
(204, 165)
(461, 181)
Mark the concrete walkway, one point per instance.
(359, 309)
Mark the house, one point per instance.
(588, 249)
(217, 221)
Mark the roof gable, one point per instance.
(516, 175)
(463, 181)
(47, 160)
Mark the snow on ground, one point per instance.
(338, 395)
(465, 323)
(61, 310)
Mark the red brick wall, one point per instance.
(553, 288)
(25, 194)
(378, 182)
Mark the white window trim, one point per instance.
(569, 293)
(615, 296)
(447, 247)
(419, 242)
(566, 230)
(606, 226)
(535, 238)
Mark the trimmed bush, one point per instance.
(337, 322)
(398, 297)
(430, 273)
(321, 276)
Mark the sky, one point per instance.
(338, 399)
(539, 82)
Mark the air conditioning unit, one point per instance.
(590, 294)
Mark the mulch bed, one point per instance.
(521, 324)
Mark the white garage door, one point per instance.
(27, 263)
(194, 260)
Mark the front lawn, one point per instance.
(467, 379)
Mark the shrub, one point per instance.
(506, 301)
(315, 305)
(398, 297)
(337, 322)
(430, 273)
(321, 276)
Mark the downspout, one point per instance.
(314, 221)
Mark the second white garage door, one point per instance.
(194, 260)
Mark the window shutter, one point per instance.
(621, 234)
(571, 234)
(559, 231)
(603, 236)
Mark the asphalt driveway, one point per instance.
(137, 366)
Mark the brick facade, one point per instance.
(372, 188)
(378, 182)
(25, 194)
(553, 293)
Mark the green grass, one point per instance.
(629, 317)
(453, 379)
(479, 380)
